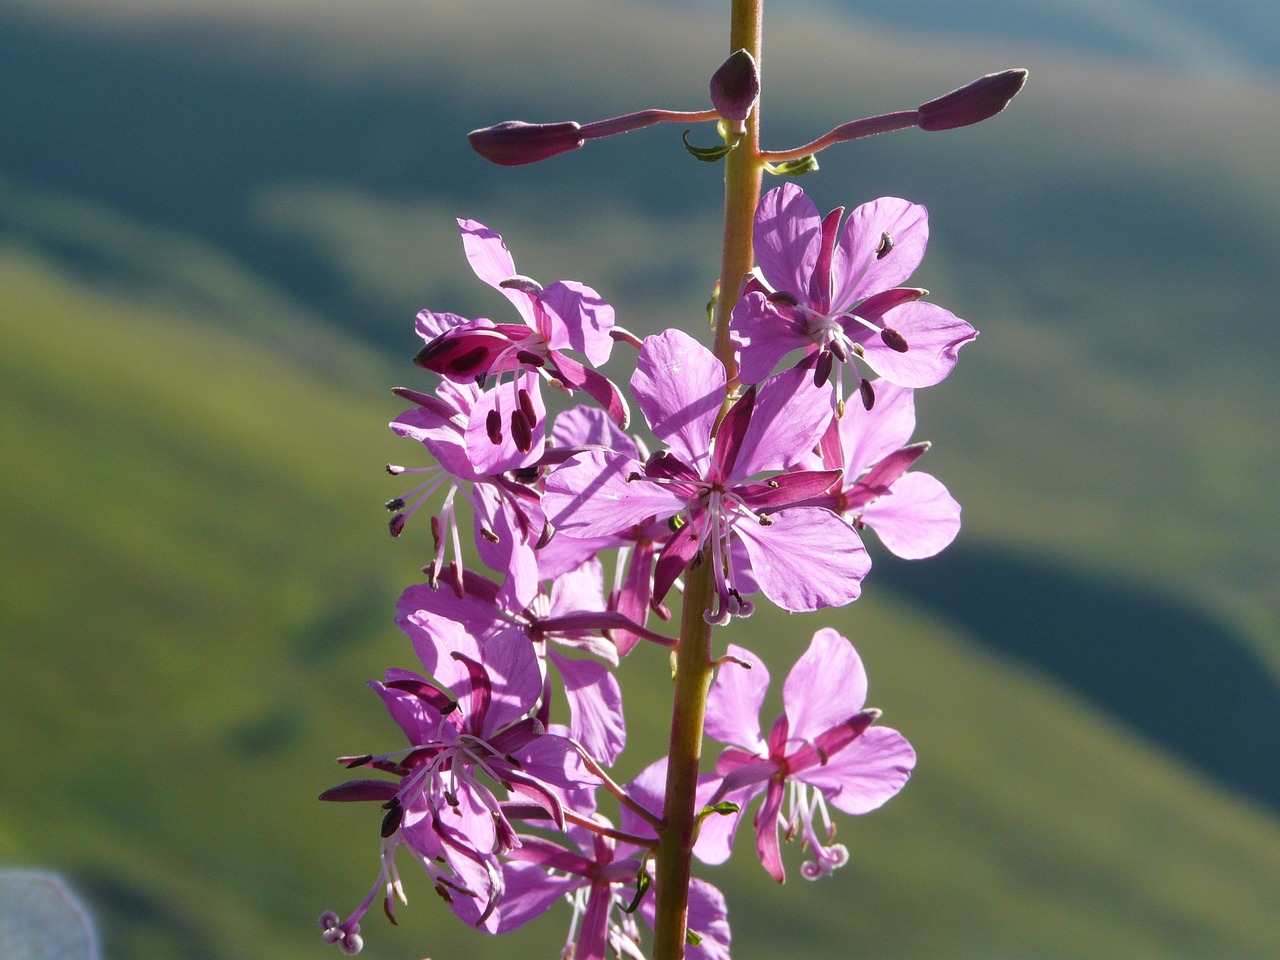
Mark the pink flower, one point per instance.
(912, 513)
(729, 479)
(823, 747)
(834, 293)
(506, 428)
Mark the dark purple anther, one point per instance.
(894, 340)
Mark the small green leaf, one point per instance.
(642, 885)
(709, 154)
(724, 808)
(793, 168)
(691, 938)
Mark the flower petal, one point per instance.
(735, 699)
(827, 685)
(867, 436)
(917, 519)
(866, 773)
(492, 263)
(680, 385)
(806, 558)
(590, 496)
(789, 418)
(579, 319)
(860, 267)
(787, 238)
(595, 706)
(763, 335)
(934, 336)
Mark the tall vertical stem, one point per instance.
(674, 852)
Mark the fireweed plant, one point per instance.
(779, 444)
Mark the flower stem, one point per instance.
(674, 853)
(694, 668)
(743, 168)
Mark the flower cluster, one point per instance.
(514, 716)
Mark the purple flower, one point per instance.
(469, 729)
(912, 513)
(600, 880)
(506, 428)
(822, 747)
(571, 615)
(834, 293)
(508, 519)
(713, 476)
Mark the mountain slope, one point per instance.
(202, 581)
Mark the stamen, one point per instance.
(868, 393)
(894, 340)
(526, 405)
(886, 244)
(522, 431)
(394, 504)
(391, 822)
(530, 359)
(493, 427)
(822, 369)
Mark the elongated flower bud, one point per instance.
(972, 103)
(513, 143)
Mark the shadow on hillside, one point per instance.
(1166, 669)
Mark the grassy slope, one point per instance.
(200, 581)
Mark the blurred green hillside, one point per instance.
(215, 228)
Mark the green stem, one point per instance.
(674, 852)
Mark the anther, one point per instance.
(493, 426)
(765, 519)
(840, 409)
(886, 244)
(838, 351)
(522, 431)
(351, 762)
(894, 340)
(435, 533)
(394, 504)
(868, 393)
(773, 484)
(526, 406)
(395, 469)
(523, 284)
(822, 369)
(780, 298)
(391, 822)
(530, 359)
(396, 525)
(490, 535)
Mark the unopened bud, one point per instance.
(972, 103)
(513, 143)
(735, 87)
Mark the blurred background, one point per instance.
(217, 221)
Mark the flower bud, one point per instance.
(514, 142)
(735, 87)
(972, 103)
